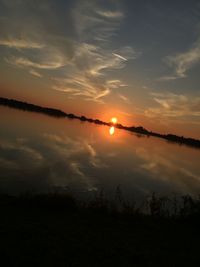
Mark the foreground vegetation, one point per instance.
(58, 230)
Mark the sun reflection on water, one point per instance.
(112, 130)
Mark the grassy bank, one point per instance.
(56, 230)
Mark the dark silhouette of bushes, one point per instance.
(58, 230)
(153, 206)
(30, 107)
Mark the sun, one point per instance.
(114, 120)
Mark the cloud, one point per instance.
(21, 43)
(174, 106)
(25, 154)
(94, 158)
(124, 98)
(114, 84)
(110, 14)
(51, 54)
(76, 168)
(89, 68)
(183, 62)
(33, 37)
(90, 149)
(95, 23)
(35, 73)
(170, 170)
(25, 62)
(79, 55)
(52, 160)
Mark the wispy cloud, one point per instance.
(183, 62)
(20, 43)
(168, 169)
(35, 73)
(124, 98)
(89, 67)
(174, 106)
(89, 73)
(95, 159)
(95, 23)
(110, 14)
(81, 64)
(25, 62)
(92, 67)
(65, 161)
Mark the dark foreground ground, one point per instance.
(55, 231)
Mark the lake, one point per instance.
(39, 154)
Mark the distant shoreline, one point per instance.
(60, 114)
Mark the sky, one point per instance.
(136, 60)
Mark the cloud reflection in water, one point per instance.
(49, 153)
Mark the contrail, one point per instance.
(121, 57)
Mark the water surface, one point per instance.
(40, 153)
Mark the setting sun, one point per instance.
(114, 120)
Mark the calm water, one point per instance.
(39, 153)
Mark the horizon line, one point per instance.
(12, 103)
